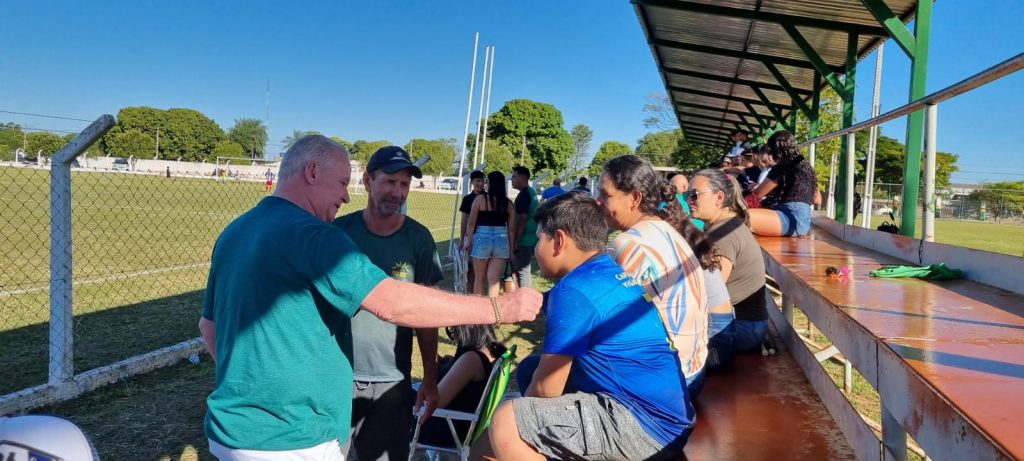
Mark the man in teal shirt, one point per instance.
(283, 287)
(524, 236)
(382, 361)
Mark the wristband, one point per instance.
(497, 311)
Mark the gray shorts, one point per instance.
(583, 426)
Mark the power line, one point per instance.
(44, 116)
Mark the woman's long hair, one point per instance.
(721, 182)
(658, 198)
(782, 146)
(497, 194)
(476, 337)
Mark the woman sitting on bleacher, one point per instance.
(786, 193)
(716, 198)
(464, 381)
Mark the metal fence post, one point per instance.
(61, 367)
(930, 130)
(848, 187)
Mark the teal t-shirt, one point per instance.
(282, 289)
(382, 352)
(686, 209)
(526, 203)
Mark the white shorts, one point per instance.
(327, 451)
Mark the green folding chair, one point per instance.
(497, 383)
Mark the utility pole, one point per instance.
(522, 157)
(157, 144)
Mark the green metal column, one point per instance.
(849, 84)
(915, 121)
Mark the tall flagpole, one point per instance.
(869, 167)
(480, 112)
(487, 113)
(465, 136)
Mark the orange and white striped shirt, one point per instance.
(662, 262)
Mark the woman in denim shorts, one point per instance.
(487, 237)
(787, 192)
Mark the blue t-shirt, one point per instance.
(552, 192)
(283, 287)
(601, 317)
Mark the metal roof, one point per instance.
(716, 56)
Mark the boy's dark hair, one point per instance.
(522, 170)
(578, 215)
(476, 174)
(582, 181)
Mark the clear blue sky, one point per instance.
(400, 70)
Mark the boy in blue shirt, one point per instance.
(629, 399)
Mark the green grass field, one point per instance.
(142, 247)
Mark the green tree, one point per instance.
(43, 143)
(347, 145)
(131, 143)
(228, 148)
(441, 151)
(581, 135)
(11, 139)
(607, 151)
(498, 158)
(691, 157)
(659, 146)
(533, 131)
(889, 157)
(1006, 197)
(251, 134)
(183, 133)
(296, 135)
(362, 150)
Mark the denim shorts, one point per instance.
(795, 218)
(490, 242)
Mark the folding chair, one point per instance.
(497, 382)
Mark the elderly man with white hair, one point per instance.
(283, 287)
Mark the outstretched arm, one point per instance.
(416, 306)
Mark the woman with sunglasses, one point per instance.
(717, 199)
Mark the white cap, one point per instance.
(43, 437)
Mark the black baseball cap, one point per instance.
(392, 159)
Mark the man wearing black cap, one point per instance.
(382, 352)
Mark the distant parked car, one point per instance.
(448, 184)
(120, 164)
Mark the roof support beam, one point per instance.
(762, 16)
(764, 123)
(828, 72)
(893, 25)
(774, 110)
(845, 172)
(727, 97)
(792, 92)
(716, 109)
(735, 81)
(915, 121)
(739, 124)
(734, 53)
(721, 133)
(710, 126)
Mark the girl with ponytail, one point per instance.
(652, 249)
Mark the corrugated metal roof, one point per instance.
(711, 53)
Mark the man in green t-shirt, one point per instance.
(524, 235)
(382, 359)
(282, 290)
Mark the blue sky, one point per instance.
(400, 70)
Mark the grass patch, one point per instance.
(980, 235)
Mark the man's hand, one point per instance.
(521, 305)
(427, 395)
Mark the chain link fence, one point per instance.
(140, 246)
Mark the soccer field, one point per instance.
(142, 248)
